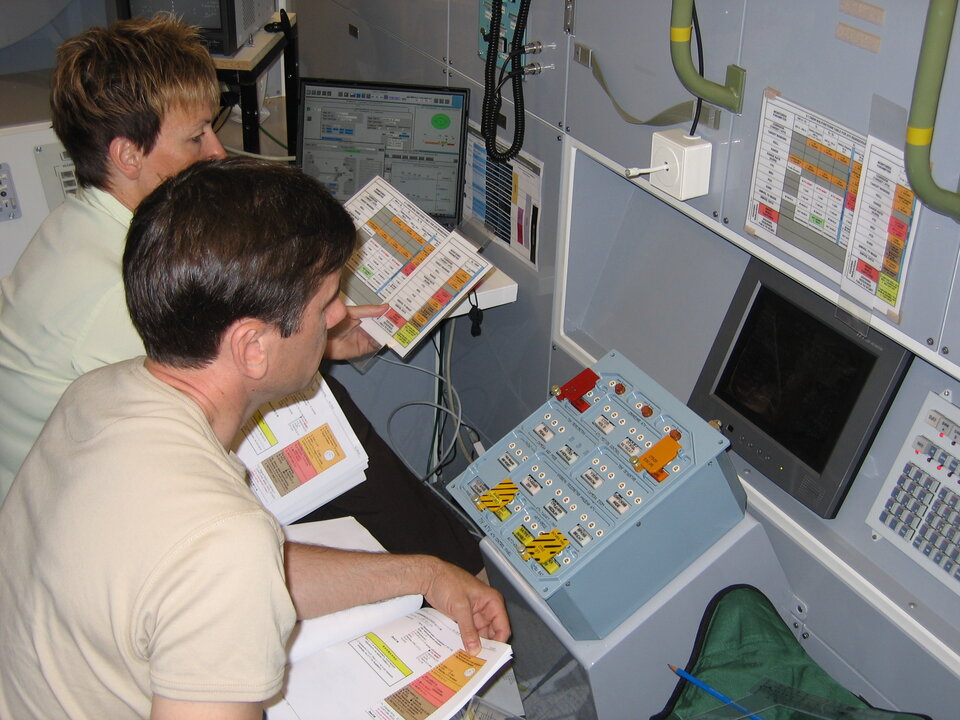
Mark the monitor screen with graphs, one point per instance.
(414, 136)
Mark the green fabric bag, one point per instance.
(745, 651)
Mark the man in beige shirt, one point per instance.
(141, 576)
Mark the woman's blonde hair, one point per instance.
(121, 81)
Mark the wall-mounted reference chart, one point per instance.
(804, 187)
(884, 227)
(834, 199)
(406, 259)
(505, 197)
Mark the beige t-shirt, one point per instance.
(135, 561)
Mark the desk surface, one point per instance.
(250, 55)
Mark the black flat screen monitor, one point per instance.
(797, 390)
(414, 136)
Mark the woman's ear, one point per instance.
(126, 157)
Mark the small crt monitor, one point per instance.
(797, 390)
(414, 136)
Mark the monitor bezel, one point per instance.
(448, 221)
(822, 492)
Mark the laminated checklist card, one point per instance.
(404, 258)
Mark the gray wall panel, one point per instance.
(633, 49)
(378, 53)
(502, 376)
(809, 65)
(423, 27)
(646, 279)
(542, 94)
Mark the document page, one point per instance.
(406, 259)
(413, 668)
(301, 452)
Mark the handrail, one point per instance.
(729, 96)
(934, 49)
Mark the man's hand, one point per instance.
(323, 580)
(476, 607)
(347, 340)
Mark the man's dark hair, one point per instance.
(225, 240)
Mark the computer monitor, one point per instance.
(797, 390)
(414, 136)
(225, 25)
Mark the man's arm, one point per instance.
(166, 709)
(323, 580)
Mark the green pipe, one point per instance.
(729, 96)
(923, 108)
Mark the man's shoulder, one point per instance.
(116, 377)
(123, 403)
(144, 436)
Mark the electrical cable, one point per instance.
(671, 116)
(490, 68)
(447, 371)
(266, 132)
(454, 411)
(277, 158)
(492, 98)
(696, 30)
(446, 451)
(221, 118)
(439, 421)
(441, 411)
(503, 68)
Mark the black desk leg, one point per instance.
(250, 116)
(291, 66)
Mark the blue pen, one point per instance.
(716, 693)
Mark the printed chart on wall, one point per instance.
(505, 197)
(834, 199)
(884, 226)
(404, 258)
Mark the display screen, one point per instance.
(798, 386)
(414, 136)
(203, 13)
(794, 377)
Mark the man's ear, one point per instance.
(248, 341)
(126, 157)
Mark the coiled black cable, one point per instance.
(492, 98)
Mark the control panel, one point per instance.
(603, 495)
(918, 508)
(9, 204)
